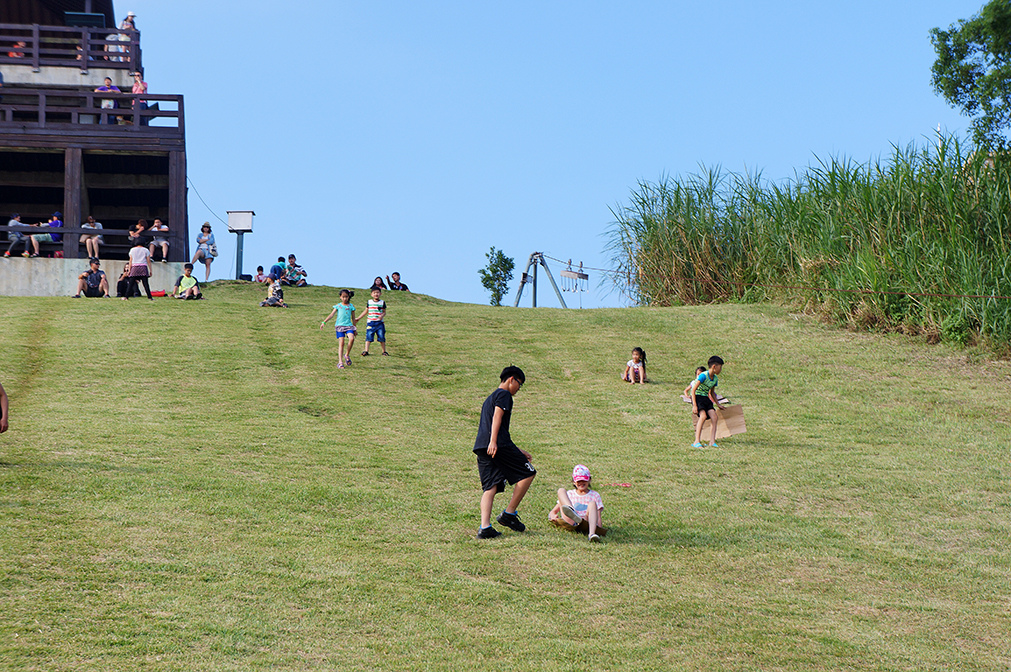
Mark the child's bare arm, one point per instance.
(712, 395)
(496, 424)
(327, 318)
(691, 393)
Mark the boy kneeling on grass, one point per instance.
(580, 509)
(498, 458)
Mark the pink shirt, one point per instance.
(582, 503)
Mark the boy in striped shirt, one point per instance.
(374, 326)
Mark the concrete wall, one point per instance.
(50, 76)
(42, 276)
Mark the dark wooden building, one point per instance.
(117, 157)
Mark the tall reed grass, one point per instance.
(932, 220)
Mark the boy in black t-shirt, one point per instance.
(498, 458)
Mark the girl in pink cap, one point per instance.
(579, 509)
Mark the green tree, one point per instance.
(496, 275)
(973, 70)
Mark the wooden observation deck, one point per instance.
(117, 157)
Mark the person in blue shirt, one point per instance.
(54, 221)
(345, 324)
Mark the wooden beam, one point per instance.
(177, 222)
(72, 186)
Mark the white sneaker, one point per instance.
(594, 539)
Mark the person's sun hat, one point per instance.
(581, 472)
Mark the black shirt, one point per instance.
(501, 399)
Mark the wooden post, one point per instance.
(178, 230)
(73, 182)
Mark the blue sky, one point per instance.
(371, 137)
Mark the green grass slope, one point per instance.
(194, 485)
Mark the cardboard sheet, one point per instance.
(730, 422)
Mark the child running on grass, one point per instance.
(704, 400)
(498, 458)
(345, 324)
(579, 509)
(374, 325)
(635, 370)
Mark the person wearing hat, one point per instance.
(93, 283)
(579, 509)
(54, 221)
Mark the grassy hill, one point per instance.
(194, 485)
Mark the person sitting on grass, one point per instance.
(186, 286)
(93, 283)
(704, 401)
(375, 328)
(275, 296)
(635, 370)
(260, 277)
(294, 275)
(395, 283)
(580, 509)
(498, 458)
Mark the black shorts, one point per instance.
(93, 292)
(704, 403)
(509, 464)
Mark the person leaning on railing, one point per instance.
(91, 240)
(52, 237)
(16, 236)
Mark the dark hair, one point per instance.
(700, 369)
(187, 266)
(94, 260)
(142, 223)
(512, 372)
(349, 292)
(139, 241)
(642, 354)
(715, 360)
(281, 259)
(259, 268)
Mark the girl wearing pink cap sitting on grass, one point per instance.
(579, 509)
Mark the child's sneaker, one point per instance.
(488, 533)
(512, 521)
(594, 539)
(7, 253)
(571, 514)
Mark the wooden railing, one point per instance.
(35, 45)
(58, 109)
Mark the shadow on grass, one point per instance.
(672, 535)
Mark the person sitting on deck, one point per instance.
(16, 236)
(54, 221)
(91, 240)
(107, 103)
(159, 240)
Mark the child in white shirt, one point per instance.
(579, 509)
